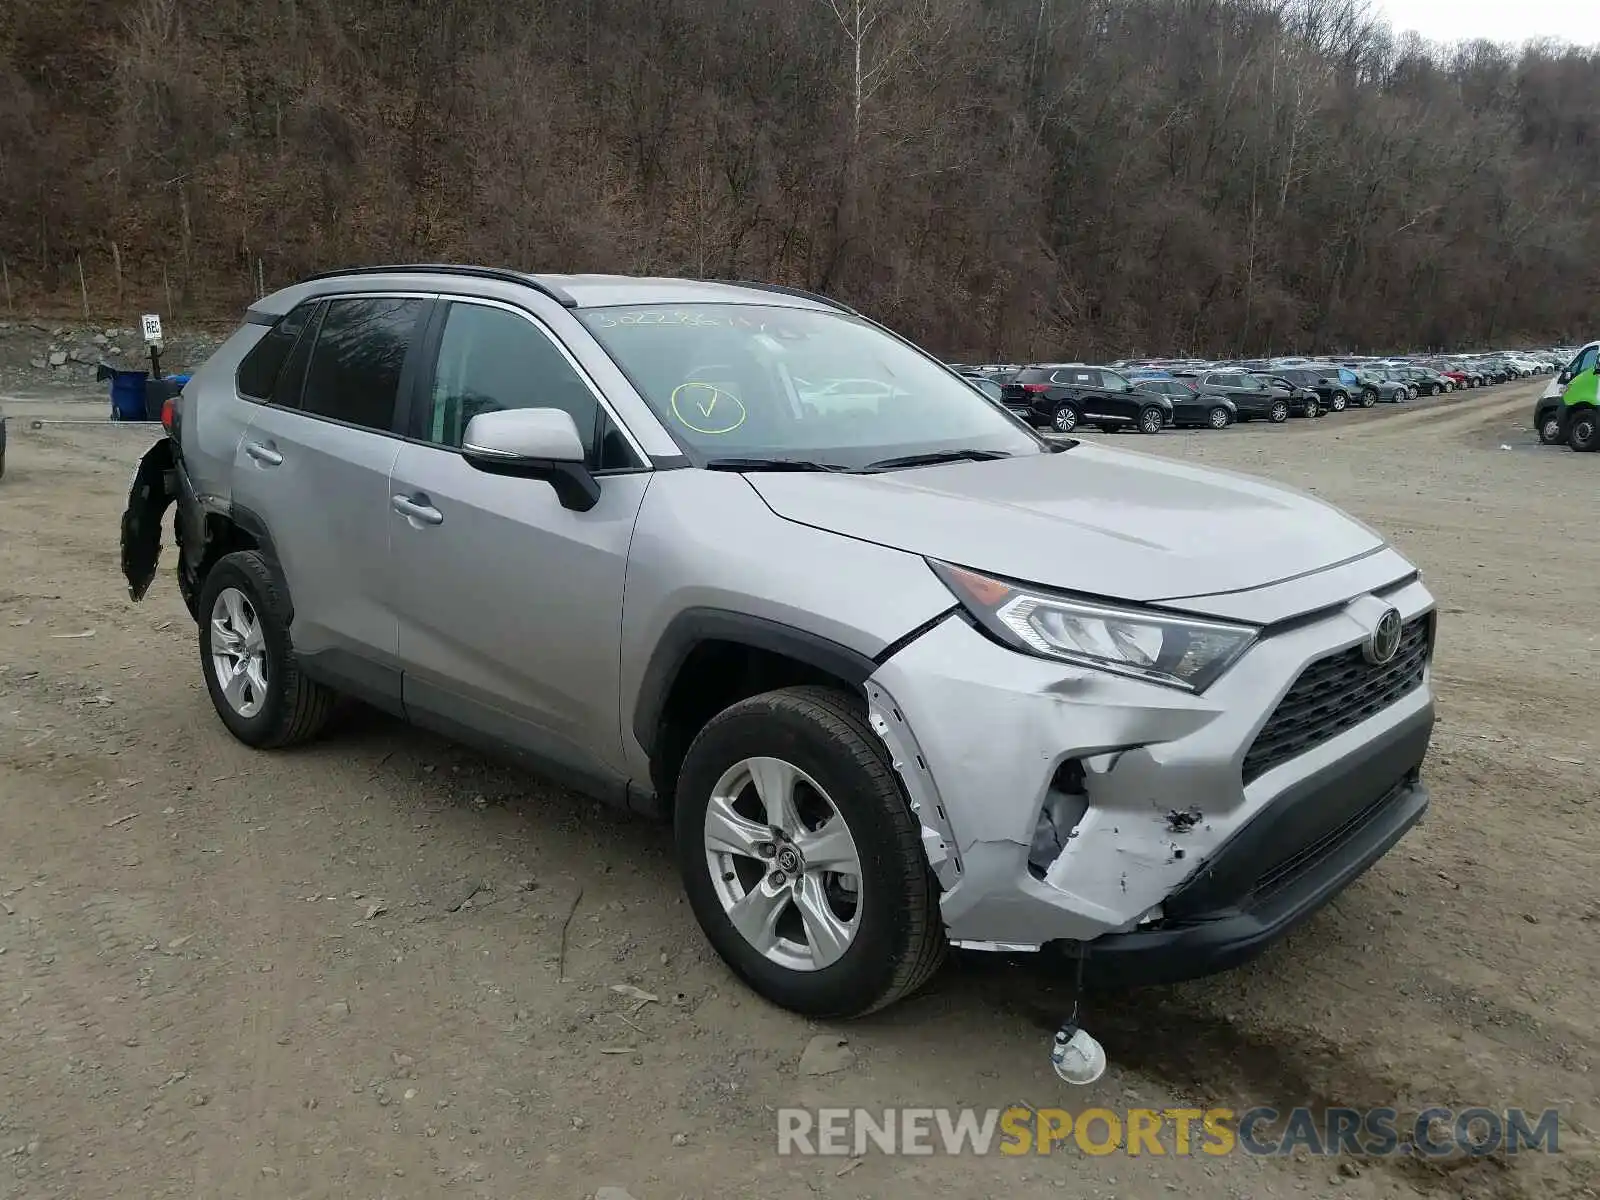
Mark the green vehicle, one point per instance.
(1569, 409)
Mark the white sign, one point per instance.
(152, 329)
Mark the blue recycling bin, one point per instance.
(127, 395)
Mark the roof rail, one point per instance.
(783, 289)
(501, 274)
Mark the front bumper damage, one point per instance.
(1163, 863)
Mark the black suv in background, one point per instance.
(1325, 382)
(1061, 396)
(1191, 409)
(1252, 396)
(1303, 401)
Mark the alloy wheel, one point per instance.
(238, 652)
(783, 863)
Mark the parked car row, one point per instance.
(1149, 395)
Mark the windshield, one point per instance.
(749, 381)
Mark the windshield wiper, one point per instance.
(769, 464)
(934, 457)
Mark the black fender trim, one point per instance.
(694, 626)
(252, 523)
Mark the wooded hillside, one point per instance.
(995, 177)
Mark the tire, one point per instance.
(1313, 408)
(897, 939)
(1065, 418)
(1550, 428)
(1151, 419)
(1369, 398)
(1434, 389)
(1339, 403)
(1280, 412)
(1583, 431)
(280, 706)
(1219, 418)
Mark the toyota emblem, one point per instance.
(1384, 643)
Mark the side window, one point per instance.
(1113, 382)
(361, 348)
(492, 359)
(292, 379)
(1586, 360)
(260, 368)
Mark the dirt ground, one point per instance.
(339, 971)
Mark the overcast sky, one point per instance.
(1512, 21)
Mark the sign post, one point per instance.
(152, 341)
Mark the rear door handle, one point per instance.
(417, 511)
(265, 455)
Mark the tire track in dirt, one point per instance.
(1446, 419)
(82, 1030)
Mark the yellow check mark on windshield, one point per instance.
(705, 409)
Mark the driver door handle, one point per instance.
(416, 510)
(265, 455)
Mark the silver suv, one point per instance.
(900, 672)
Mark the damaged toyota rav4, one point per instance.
(901, 673)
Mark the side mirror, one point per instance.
(533, 443)
(1564, 378)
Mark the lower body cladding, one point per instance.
(1161, 835)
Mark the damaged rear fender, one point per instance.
(153, 491)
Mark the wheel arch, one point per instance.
(227, 530)
(708, 659)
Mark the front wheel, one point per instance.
(1313, 409)
(801, 859)
(1219, 418)
(1549, 429)
(1339, 402)
(1151, 419)
(1280, 411)
(1583, 432)
(1065, 419)
(1369, 397)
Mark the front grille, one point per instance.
(1338, 693)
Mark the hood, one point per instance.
(1120, 525)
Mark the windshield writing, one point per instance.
(749, 380)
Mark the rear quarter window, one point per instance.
(259, 369)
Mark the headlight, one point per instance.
(1164, 648)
